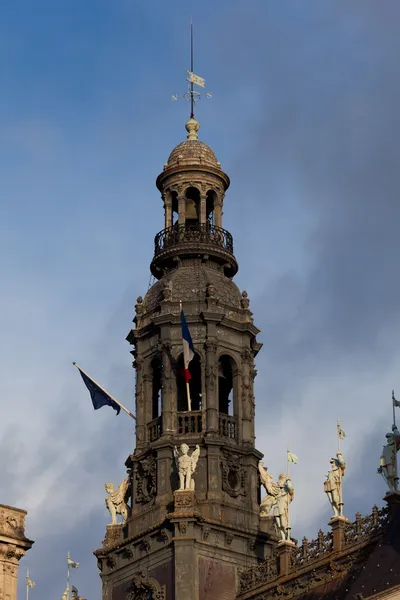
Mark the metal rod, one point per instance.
(191, 68)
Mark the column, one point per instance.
(140, 412)
(167, 395)
(246, 395)
(181, 210)
(218, 213)
(203, 208)
(168, 210)
(212, 425)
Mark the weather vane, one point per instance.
(192, 95)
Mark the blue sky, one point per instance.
(304, 119)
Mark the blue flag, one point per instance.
(98, 395)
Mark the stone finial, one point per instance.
(245, 302)
(192, 127)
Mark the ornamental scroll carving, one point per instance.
(145, 480)
(145, 588)
(234, 475)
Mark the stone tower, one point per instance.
(189, 545)
(13, 546)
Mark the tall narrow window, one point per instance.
(194, 384)
(225, 385)
(192, 195)
(156, 367)
(210, 201)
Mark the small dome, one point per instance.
(192, 152)
(190, 284)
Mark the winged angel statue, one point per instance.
(279, 496)
(116, 500)
(186, 466)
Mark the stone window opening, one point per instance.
(175, 207)
(210, 204)
(156, 371)
(195, 385)
(192, 208)
(226, 387)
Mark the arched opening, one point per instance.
(194, 384)
(174, 205)
(226, 367)
(210, 203)
(156, 371)
(192, 208)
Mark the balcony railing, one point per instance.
(189, 422)
(193, 233)
(154, 429)
(228, 426)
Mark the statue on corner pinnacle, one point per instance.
(186, 466)
(116, 500)
(279, 496)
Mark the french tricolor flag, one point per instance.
(188, 348)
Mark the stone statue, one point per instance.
(279, 496)
(333, 484)
(186, 466)
(115, 500)
(388, 461)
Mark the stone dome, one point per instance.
(192, 152)
(189, 283)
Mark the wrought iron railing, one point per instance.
(154, 429)
(228, 426)
(190, 233)
(190, 422)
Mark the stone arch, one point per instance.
(228, 385)
(192, 205)
(195, 384)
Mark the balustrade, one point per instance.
(228, 426)
(189, 233)
(154, 429)
(190, 422)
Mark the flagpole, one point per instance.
(68, 576)
(128, 412)
(189, 401)
(338, 428)
(394, 412)
(27, 586)
(288, 529)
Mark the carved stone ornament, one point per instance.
(182, 527)
(145, 588)
(111, 562)
(206, 532)
(229, 538)
(146, 480)
(127, 553)
(234, 475)
(145, 545)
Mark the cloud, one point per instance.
(303, 119)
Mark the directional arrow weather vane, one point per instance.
(192, 95)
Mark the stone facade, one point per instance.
(189, 545)
(13, 546)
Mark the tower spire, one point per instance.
(192, 95)
(191, 70)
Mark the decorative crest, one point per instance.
(192, 95)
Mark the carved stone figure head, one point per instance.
(109, 487)
(184, 448)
